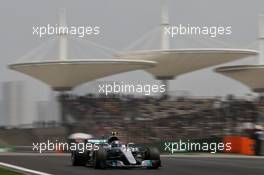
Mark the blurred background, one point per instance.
(198, 105)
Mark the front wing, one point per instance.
(144, 164)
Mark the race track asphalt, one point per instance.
(182, 165)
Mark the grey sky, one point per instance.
(122, 22)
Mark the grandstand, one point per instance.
(146, 119)
(156, 119)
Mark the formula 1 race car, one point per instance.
(112, 153)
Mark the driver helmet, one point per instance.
(116, 143)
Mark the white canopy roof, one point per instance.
(171, 63)
(250, 75)
(67, 74)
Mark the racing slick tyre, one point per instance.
(100, 157)
(78, 159)
(153, 155)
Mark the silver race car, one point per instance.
(112, 153)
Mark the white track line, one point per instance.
(212, 156)
(21, 169)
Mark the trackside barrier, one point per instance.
(240, 145)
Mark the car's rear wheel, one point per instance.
(100, 157)
(78, 159)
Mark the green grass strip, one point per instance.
(8, 172)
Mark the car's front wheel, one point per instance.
(100, 157)
(153, 155)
